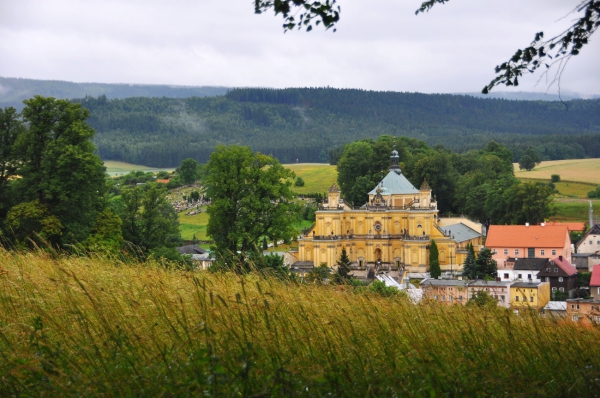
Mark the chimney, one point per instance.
(543, 224)
(526, 224)
(560, 258)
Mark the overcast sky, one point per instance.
(379, 44)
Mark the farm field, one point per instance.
(577, 170)
(574, 209)
(98, 327)
(568, 189)
(318, 177)
(114, 167)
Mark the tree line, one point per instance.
(310, 124)
(478, 183)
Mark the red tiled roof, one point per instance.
(595, 281)
(162, 181)
(504, 236)
(572, 226)
(565, 265)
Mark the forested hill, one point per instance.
(303, 124)
(13, 91)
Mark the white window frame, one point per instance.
(554, 252)
(543, 252)
(506, 251)
(516, 252)
(560, 278)
(575, 318)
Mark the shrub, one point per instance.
(555, 178)
(299, 182)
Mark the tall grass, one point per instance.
(96, 326)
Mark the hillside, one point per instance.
(14, 91)
(576, 170)
(302, 125)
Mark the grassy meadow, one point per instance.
(317, 177)
(576, 170)
(80, 326)
(114, 167)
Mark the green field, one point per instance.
(574, 210)
(317, 177)
(567, 189)
(114, 167)
(578, 170)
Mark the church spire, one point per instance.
(395, 160)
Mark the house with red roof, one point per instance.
(528, 241)
(572, 226)
(561, 274)
(595, 282)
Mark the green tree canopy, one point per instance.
(58, 166)
(188, 171)
(250, 198)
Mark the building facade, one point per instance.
(583, 311)
(561, 275)
(392, 232)
(528, 241)
(590, 242)
(529, 296)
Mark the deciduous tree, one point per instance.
(250, 198)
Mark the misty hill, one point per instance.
(13, 91)
(305, 123)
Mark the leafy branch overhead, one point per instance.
(540, 53)
(324, 12)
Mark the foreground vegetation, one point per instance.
(101, 327)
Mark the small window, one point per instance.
(443, 298)
(460, 298)
(506, 277)
(516, 252)
(554, 252)
(598, 319)
(590, 242)
(520, 276)
(516, 298)
(528, 276)
(560, 278)
(543, 252)
(572, 306)
(555, 269)
(547, 269)
(505, 251)
(577, 306)
(531, 299)
(562, 289)
(449, 298)
(553, 289)
(598, 242)
(575, 318)
(547, 279)
(435, 296)
(502, 298)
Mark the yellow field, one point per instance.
(317, 177)
(578, 170)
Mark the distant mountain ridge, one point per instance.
(14, 90)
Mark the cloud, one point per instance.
(379, 45)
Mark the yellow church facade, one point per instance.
(391, 233)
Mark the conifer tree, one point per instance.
(265, 245)
(469, 270)
(434, 263)
(485, 266)
(343, 266)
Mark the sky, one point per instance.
(379, 44)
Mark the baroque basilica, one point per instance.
(391, 233)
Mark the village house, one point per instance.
(584, 262)
(528, 241)
(583, 311)
(561, 275)
(198, 255)
(590, 241)
(452, 291)
(522, 269)
(595, 282)
(529, 296)
(555, 309)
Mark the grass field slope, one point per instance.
(577, 170)
(318, 177)
(94, 326)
